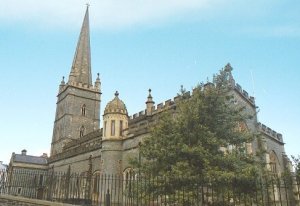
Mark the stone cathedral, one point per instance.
(83, 142)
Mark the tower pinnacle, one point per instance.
(149, 103)
(81, 66)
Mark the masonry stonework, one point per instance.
(80, 145)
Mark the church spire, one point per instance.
(81, 66)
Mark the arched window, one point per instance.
(121, 127)
(128, 176)
(104, 132)
(273, 163)
(113, 127)
(83, 110)
(96, 182)
(81, 132)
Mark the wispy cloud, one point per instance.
(287, 30)
(248, 17)
(105, 13)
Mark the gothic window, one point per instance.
(83, 110)
(128, 177)
(273, 162)
(121, 127)
(41, 180)
(112, 127)
(81, 132)
(19, 190)
(96, 179)
(104, 132)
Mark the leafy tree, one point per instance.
(201, 143)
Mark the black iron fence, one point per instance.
(136, 190)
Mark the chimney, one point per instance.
(45, 155)
(24, 151)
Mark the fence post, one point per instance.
(67, 183)
(107, 198)
(50, 179)
(88, 195)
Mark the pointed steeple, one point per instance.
(82, 116)
(81, 66)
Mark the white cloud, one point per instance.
(116, 14)
(287, 30)
(104, 13)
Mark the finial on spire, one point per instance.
(116, 93)
(62, 84)
(97, 82)
(87, 5)
(63, 80)
(149, 96)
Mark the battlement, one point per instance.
(90, 136)
(165, 105)
(138, 115)
(88, 143)
(268, 131)
(244, 94)
(156, 109)
(80, 86)
(172, 102)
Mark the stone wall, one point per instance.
(7, 200)
(78, 163)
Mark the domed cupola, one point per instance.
(115, 106)
(115, 119)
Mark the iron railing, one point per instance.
(136, 190)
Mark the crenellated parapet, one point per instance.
(138, 115)
(244, 94)
(171, 103)
(269, 132)
(89, 142)
(155, 109)
(79, 85)
(86, 138)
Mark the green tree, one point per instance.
(201, 142)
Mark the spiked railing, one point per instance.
(132, 189)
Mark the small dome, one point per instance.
(115, 106)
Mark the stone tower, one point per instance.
(78, 100)
(115, 121)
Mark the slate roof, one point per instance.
(30, 159)
(2, 167)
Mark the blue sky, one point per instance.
(137, 45)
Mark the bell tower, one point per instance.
(78, 100)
